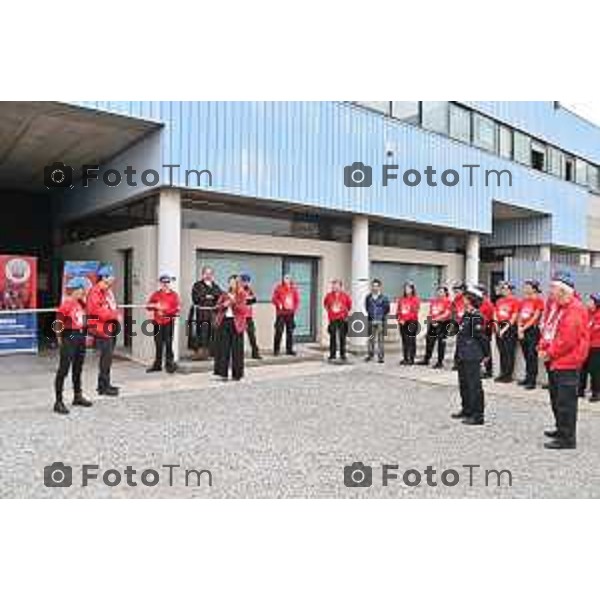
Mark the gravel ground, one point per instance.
(288, 431)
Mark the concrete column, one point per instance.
(169, 244)
(472, 259)
(360, 270)
(595, 260)
(545, 253)
(585, 259)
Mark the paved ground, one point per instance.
(286, 431)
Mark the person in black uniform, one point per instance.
(205, 294)
(470, 352)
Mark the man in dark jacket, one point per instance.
(205, 294)
(471, 350)
(377, 306)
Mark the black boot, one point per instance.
(60, 408)
(459, 415)
(551, 433)
(80, 400)
(560, 444)
(473, 420)
(171, 368)
(154, 368)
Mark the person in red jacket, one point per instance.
(487, 311)
(251, 299)
(440, 314)
(286, 300)
(407, 313)
(564, 347)
(231, 322)
(591, 367)
(507, 312)
(70, 320)
(338, 304)
(165, 306)
(458, 311)
(103, 326)
(528, 331)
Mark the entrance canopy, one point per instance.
(36, 134)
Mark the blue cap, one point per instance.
(105, 271)
(564, 277)
(76, 283)
(245, 277)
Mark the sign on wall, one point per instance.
(18, 292)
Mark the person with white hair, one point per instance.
(564, 348)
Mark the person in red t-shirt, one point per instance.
(286, 300)
(407, 313)
(338, 304)
(165, 306)
(70, 320)
(440, 313)
(591, 368)
(507, 312)
(458, 311)
(528, 331)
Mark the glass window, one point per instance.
(594, 177)
(556, 162)
(538, 156)
(522, 148)
(581, 171)
(393, 276)
(266, 270)
(505, 142)
(382, 106)
(435, 116)
(484, 133)
(460, 123)
(569, 168)
(406, 110)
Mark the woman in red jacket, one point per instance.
(440, 315)
(230, 324)
(286, 299)
(507, 312)
(407, 313)
(591, 367)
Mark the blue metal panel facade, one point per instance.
(296, 152)
(559, 126)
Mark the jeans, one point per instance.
(284, 322)
(105, 347)
(338, 330)
(164, 340)
(72, 355)
(507, 345)
(408, 331)
(436, 332)
(376, 339)
(529, 344)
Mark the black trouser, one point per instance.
(436, 332)
(338, 330)
(72, 355)
(251, 330)
(529, 343)
(284, 322)
(229, 351)
(408, 331)
(563, 399)
(471, 390)
(507, 345)
(105, 347)
(163, 340)
(591, 369)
